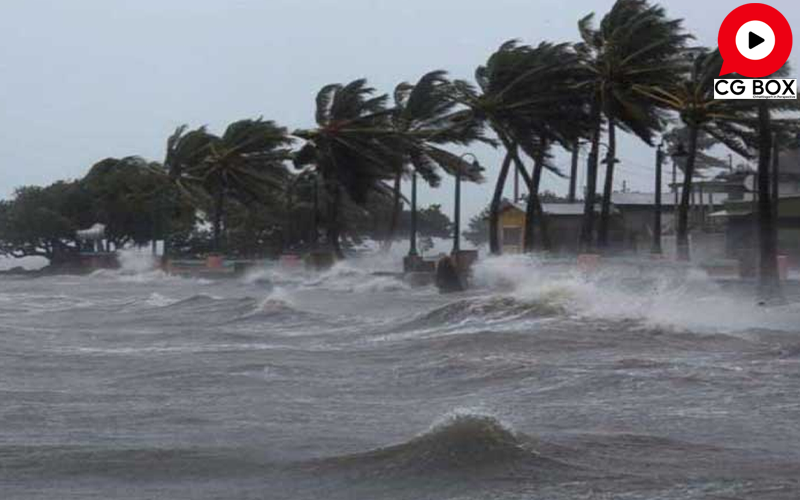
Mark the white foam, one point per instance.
(664, 297)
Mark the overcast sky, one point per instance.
(81, 80)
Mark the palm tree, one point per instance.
(771, 133)
(354, 147)
(524, 98)
(245, 163)
(185, 149)
(557, 115)
(426, 118)
(727, 121)
(632, 51)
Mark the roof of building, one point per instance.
(649, 199)
(555, 208)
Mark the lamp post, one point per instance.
(457, 214)
(412, 251)
(656, 250)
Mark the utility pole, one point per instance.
(657, 212)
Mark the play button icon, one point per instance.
(755, 40)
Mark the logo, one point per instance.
(755, 89)
(755, 41)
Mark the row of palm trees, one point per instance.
(633, 71)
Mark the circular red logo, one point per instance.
(755, 41)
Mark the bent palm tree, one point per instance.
(521, 96)
(245, 163)
(354, 147)
(727, 121)
(426, 118)
(633, 51)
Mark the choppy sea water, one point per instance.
(541, 383)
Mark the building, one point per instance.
(564, 226)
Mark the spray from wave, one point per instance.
(657, 295)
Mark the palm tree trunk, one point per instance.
(587, 228)
(534, 214)
(768, 261)
(219, 207)
(396, 209)
(684, 253)
(497, 199)
(608, 189)
(573, 172)
(334, 229)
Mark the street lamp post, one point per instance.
(657, 212)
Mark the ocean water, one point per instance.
(541, 383)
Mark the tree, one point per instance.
(727, 121)
(354, 148)
(770, 135)
(431, 222)
(41, 221)
(125, 197)
(426, 119)
(523, 96)
(246, 164)
(477, 231)
(633, 51)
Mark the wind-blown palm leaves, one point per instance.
(526, 96)
(633, 51)
(676, 139)
(724, 120)
(738, 124)
(354, 147)
(426, 118)
(245, 163)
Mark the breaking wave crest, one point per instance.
(462, 442)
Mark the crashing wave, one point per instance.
(668, 296)
(461, 442)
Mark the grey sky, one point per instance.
(81, 80)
